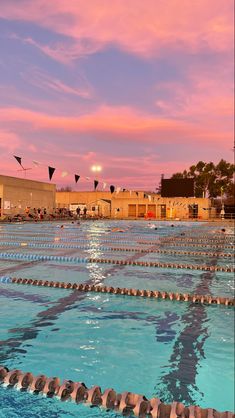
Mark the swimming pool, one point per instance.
(168, 349)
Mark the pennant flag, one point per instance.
(77, 177)
(137, 193)
(64, 173)
(118, 190)
(112, 188)
(95, 184)
(36, 163)
(104, 185)
(18, 159)
(51, 172)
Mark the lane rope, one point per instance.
(156, 294)
(35, 257)
(125, 403)
(118, 241)
(118, 249)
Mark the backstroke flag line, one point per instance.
(51, 171)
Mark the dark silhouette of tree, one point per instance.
(65, 189)
(210, 180)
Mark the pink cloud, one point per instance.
(64, 52)
(44, 81)
(121, 121)
(144, 29)
(206, 98)
(9, 141)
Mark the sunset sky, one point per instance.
(140, 87)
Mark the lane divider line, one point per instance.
(156, 294)
(117, 249)
(34, 257)
(125, 403)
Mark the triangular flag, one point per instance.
(95, 184)
(104, 185)
(51, 172)
(36, 163)
(77, 177)
(64, 173)
(118, 190)
(18, 159)
(137, 193)
(112, 188)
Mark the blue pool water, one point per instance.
(176, 351)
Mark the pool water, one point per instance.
(172, 350)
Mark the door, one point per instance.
(132, 211)
(141, 211)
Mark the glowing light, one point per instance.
(96, 168)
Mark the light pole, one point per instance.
(222, 213)
(97, 170)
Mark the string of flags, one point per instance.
(77, 177)
(51, 171)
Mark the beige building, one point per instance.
(153, 206)
(18, 194)
(137, 205)
(97, 203)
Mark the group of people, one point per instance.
(78, 212)
(36, 214)
(42, 213)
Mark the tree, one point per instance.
(65, 189)
(209, 179)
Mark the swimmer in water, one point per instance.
(151, 225)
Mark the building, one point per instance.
(137, 205)
(153, 206)
(16, 195)
(98, 203)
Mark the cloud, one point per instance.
(203, 97)
(143, 28)
(43, 80)
(118, 123)
(64, 52)
(105, 119)
(9, 141)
